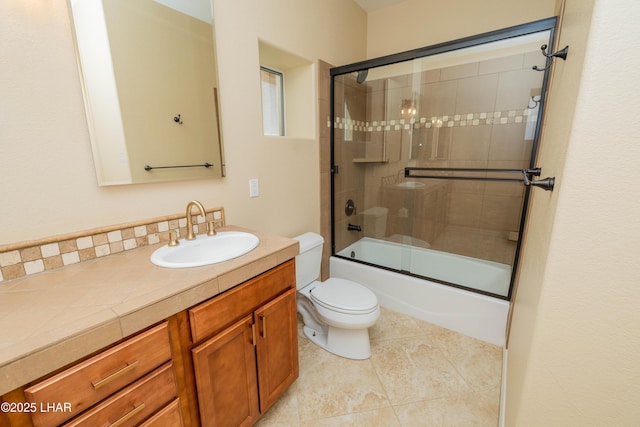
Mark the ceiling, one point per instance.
(371, 5)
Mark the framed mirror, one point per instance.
(150, 85)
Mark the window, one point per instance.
(272, 101)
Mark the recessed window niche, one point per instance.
(299, 89)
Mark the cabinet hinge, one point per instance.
(335, 169)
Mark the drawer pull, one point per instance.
(137, 407)
(264, 327)
(126, 368)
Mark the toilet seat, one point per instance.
(344, 296)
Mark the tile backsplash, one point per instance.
(25, 258)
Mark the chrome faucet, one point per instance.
(190, 234)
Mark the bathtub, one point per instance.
(470, 313)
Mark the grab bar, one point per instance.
(546, 184)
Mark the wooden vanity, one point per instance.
(223, 360)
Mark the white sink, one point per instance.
(205, 250)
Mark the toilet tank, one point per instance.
(309, 260)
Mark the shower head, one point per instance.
(362, 76)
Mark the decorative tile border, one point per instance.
(455, 120)
(25, 258)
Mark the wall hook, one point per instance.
(562, 54)
(177, 119)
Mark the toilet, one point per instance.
(337, 313)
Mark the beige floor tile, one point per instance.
(479, 363)
(378, 417)
(411, 369)
(467, 410)
(330, 385)
(392, 325)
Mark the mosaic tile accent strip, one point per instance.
(26, 258)
(456, 120)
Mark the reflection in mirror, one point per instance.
(151, 90)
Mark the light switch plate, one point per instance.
(254, 188)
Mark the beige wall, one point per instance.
(416, 23)
(575, 336)
(48, 181)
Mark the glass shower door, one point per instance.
(431, 154)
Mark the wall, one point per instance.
(417, 23)
(575, 334)
(48, 181)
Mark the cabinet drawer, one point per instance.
(133, 404)
(170, 415)
(221, 311)
(100, 376)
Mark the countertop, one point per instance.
(53, 318)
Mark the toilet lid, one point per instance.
(344, 296)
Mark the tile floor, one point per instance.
(418, 375)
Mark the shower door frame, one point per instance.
(548, 24)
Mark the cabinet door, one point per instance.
(225, 368)
(277, 347)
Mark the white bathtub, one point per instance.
(467, 312)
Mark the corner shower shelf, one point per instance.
(370, 160)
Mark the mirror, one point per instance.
(150, 85)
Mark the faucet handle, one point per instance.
(173, 238)
(211, 229)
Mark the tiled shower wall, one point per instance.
(477, 115)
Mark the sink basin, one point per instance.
(205, 250)
(410, 184)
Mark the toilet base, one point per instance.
(349, 343)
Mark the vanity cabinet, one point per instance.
(223, 362)
(245, 366)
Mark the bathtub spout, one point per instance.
(352, 227)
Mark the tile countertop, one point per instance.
(54, 318)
